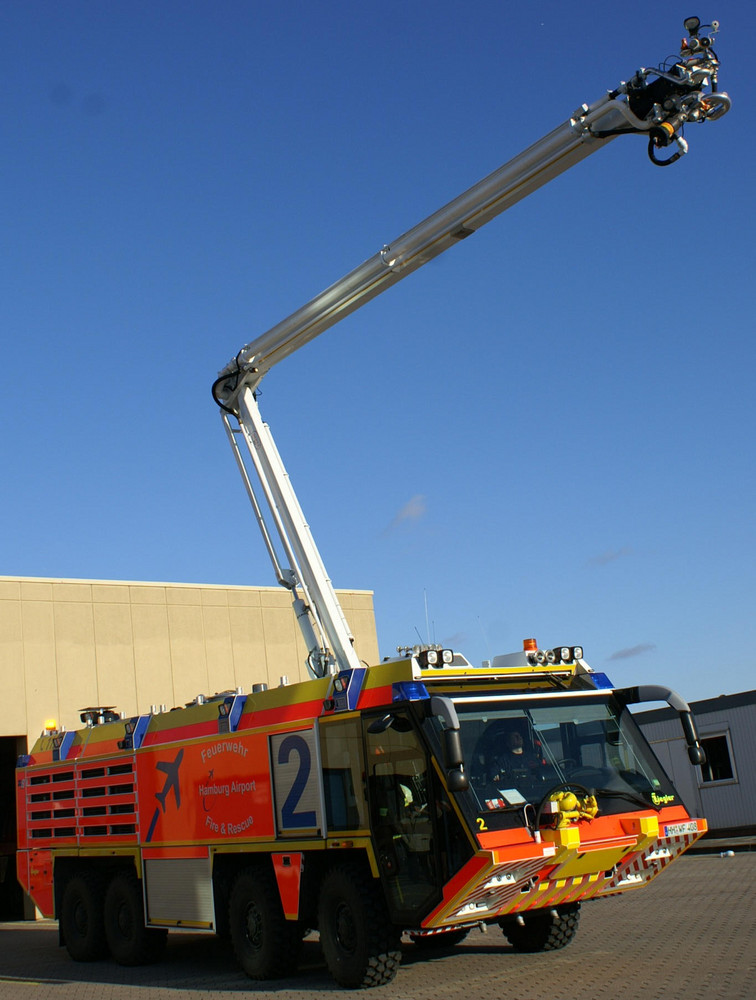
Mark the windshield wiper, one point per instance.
(616, 793)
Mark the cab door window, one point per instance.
(399, 790)
(343, 769)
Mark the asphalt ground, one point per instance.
(690, 934)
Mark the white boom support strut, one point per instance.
(329, 643)
(683, 93)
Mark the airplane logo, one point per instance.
(171, 780)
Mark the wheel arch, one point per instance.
(65, 867)
(316, 863)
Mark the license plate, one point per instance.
(678, 829)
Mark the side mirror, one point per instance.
(457, 779)
(652, 692)
(454, 760)
(453, 748)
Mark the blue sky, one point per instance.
(548, 431)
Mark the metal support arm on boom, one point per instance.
(321, 619)
(656, 103)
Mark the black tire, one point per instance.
(81, 925)
(129, 941)
(265, 943)
(360, 946)
(542, 930)
(443, 939)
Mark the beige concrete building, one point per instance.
(69, 644)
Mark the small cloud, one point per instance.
(457, 641)
(413, 510)
(61, 95)
(639, 650)
(611, 555)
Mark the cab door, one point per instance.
(403, 797)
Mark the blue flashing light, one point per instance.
(23, 760)
(235, 712)
(601, 681)
(140, 730)
(409, 691)
(347, 685)
(66, 744)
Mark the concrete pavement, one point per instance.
(689, 935)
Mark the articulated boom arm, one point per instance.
(656, 103)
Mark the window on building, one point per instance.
(718, 766)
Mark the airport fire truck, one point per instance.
(421, 796)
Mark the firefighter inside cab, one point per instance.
(504, 758)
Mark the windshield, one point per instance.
(516, 752)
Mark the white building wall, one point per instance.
(726, 804)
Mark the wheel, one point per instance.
(129, 941)
(543, 930)
(81, 918)
(264, 942)
(443, 939)
(360, 946)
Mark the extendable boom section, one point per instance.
(655, 103)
